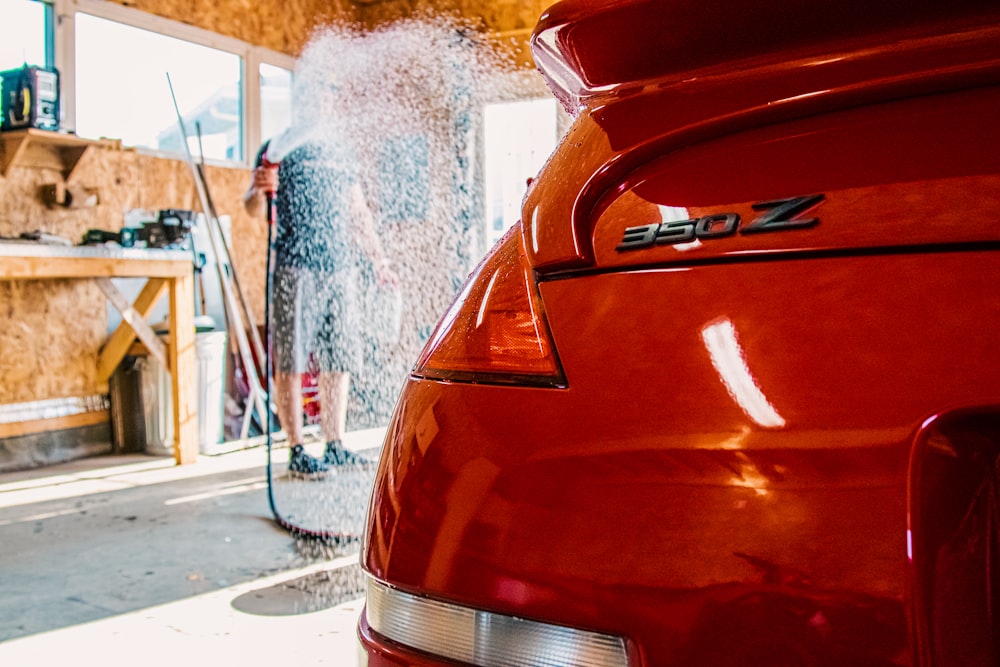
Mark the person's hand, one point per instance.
(258, 199)
(265, 179)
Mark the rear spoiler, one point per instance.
(648, 77)
(590, 49)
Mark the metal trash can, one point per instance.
(210, 361)
(128, 427)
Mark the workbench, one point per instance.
(166, 271)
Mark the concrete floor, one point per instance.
(133, 560)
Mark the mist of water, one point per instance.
(397, 109)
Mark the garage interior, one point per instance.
(132, 289)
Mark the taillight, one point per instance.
(495, 331)
(478, 637)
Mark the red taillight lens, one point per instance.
(495, 331)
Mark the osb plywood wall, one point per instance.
(51, 331)
(285, 26)
(281, 25)
(510, 21)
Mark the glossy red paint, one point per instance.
(773, 448)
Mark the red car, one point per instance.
(729, 394)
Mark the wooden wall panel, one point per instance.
(48, 339)
(281, 25)
(491, 15)
(286, 25)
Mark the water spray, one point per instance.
(402, 100)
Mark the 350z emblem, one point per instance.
(776, 215)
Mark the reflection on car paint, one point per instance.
(730, 362)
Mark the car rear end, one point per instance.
(730, 393)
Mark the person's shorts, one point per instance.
(315, 320)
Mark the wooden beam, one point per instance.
(184, 390)
(133, 325)
(14, 429)
(48, 267)
(121, 340)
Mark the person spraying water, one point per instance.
(392, 113)
(305, 182)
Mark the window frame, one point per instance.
(251, 57)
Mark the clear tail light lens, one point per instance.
(476, 637)
(495, 331)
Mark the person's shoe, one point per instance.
(302, 464)
(336, 455)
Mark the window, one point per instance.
(520, 136)
(121, 95)
(25, 34)
(275, 100)
(113, 64)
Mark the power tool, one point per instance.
(125, 238)
(172, 229)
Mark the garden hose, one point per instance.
(300, 532)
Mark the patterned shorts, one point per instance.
(315, 318)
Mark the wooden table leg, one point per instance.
(182, 369)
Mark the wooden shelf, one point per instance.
(42, 149)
